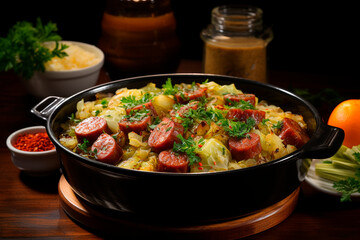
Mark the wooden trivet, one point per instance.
(248, 225)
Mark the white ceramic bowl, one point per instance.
(33, 163)
(65, 83)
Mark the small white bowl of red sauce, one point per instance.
(33, 152)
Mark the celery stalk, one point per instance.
(346, 165)
(340, 153)
(328, 171)
(344, 169)
(341, 159)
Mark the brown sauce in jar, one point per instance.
(238, 56)
(140, 45)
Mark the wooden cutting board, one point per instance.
(94, 219)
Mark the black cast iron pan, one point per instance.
(192, 197)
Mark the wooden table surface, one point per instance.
(30, 207)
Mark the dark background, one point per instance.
(309, 36)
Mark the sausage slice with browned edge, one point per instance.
(245, 148)
(106, 149)
(184, 97)
(238, 114)
(165, 134)
(147, 105)
(170, 161)
(137, 126)
(247, 97)
(90, 129)
(291, 133)
(184, 109)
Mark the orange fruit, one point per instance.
(346, 115)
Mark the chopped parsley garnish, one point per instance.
(22, 50)
(263, 122)
(206, 81)
(238, 129)
(348, 186)
(357, 156)
(73, 119)
(186, 122)
(242, 104)
(155, 122)
(131, 101)
(351, 184)
(104, 103)
(137, 115)
(233, 128)
(201, 114)
(169, 89)
(189, 147)
(278, 125)
(84, 148)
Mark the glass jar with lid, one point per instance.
(139, 37)
(235, 43)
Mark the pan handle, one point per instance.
(44, 108)
(325, 142)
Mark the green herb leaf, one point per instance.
(243, 105)
(131, 101)
(155, 122)
(347, 187)
(104, 103)
(84, 146)
(169, 89)
(206, 81)
(189, 147)
(137, 115)
(73, 119)
(201, 114)
(238, 129)
(23, 50)
(278, 125)
(357, 156)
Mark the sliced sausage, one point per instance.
(106, 149)
(237, 97)
(291, 133)
(165, 134)
(243, 115)
(245, 148)
(190, 95)
(147, 105)
(170, 161)
(137, 126)
(185, 108)
(90, 128)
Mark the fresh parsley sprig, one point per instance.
(23, 50)
(169, 89)
(131, 101)
(237, 128)
(242, 104)
(189, 147)
(73, 119)
(84, 149)
(137, 115)
(201, 114)
(278, 125)
(349, 185)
